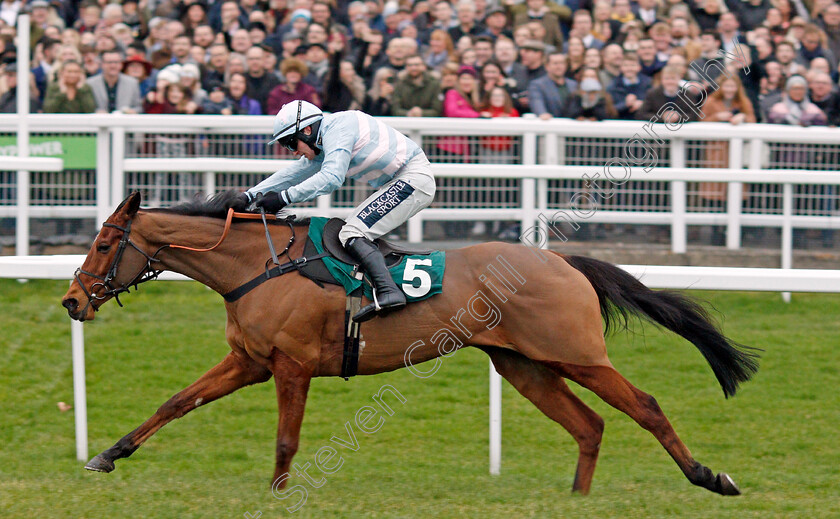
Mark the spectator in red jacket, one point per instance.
(293, 89)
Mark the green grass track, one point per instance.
(778, 438)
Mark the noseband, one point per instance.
(105, 283)
(149, 272)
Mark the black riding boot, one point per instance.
(386, 294)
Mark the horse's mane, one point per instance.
(216, 206)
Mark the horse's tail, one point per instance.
(619, 293)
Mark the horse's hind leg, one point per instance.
(548, 391)
(234, 372)
(617, 391)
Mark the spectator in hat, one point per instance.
(8, 99)
(318, 63)
(591, 102)
(257, 32)
(217, 102)
(532, 55)
(40, 19)
(291, 41)
(293, 88)
(155, 100)
(796, 108)
(189, 80)
(137, 67)
(114, 90)
(298, 21)
(417, 93)
(549, 95)
(495, 24)
(70, 93)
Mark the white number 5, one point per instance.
(411, 273)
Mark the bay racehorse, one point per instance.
(549, 325)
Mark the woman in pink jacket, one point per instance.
(461, 101)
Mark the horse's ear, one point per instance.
(132, 204)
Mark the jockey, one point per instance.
(351, 144)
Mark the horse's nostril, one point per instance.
(70, 304)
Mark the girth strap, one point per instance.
(352, 332)
(277, 271)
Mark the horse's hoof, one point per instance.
(726, 486)
(100, 464)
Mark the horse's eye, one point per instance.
(103, 248)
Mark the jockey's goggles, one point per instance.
(289, 142)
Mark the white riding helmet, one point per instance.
(291, 119)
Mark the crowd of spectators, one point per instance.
(581, 59)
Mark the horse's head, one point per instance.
(113, 263)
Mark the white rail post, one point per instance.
(552, 157)
(495, 421)
(23, 176)
(787, 232)
(733, 197)
(209, 181)
(103, 174)
(415, 223)
(529, 185)
(678, 202)
(79, 390)
(117, 162)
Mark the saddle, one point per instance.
(393, 252)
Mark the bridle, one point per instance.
(148, 272)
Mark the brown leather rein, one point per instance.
(230, 216)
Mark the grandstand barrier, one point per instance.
(775, 176)
(697, 278)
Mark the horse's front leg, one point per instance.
(292, 382)
(234, 372)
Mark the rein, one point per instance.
(149, 272)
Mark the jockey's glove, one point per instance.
(272, 201)
(240, 202)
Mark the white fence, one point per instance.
(709, 278)
(776, 176)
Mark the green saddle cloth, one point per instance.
(419, 276)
